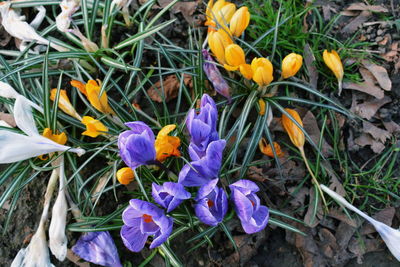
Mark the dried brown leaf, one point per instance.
(380, 74)
(311, 127)
(299, 197)
(363, 7)
(392, 127)
(353, 25)
(309, 219)
(385, 216)
(368, 109)
(309, 61)
(377, 133)
(169, 88)
(328, 243)
(367, 140)
(338, 214)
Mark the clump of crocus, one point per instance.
(334, 63)
(297, 137)
(235, 60)
(291, 64)
(169, 195)
(98, 248)
(266, 149)
(218, 41)
(141, 220)
(214, 76)
(92, 91)
(262, 71)
(211, 203)
(239, 21)
(93, 127)
(125, 175)
(253, 216)
(64, 103)
(390, 236)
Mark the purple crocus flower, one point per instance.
(253, 216)
(212, 203)
(169, 195)
(202, 127)
(136, 146)
(98, 248)
(200, 172)
(214, 75)
(142, 219)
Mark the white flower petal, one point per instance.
(23, 116)
(37, 253)
(17, 262)
(7, 91)
(68, 8)
(35, 23)
(16, 147)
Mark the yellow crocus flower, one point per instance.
(218, 41)
(262, 71)
(125, 175)
(224, 15)
(239, 21)
(334, 63)
(235, 59)
(58, 138)
(93, 127)
(291, 64)
(165, 145)
(64, 104)
(295, 133)
(92, 91)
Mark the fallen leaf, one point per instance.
(375, 132)
(368, 109)
(334, 183)
(170, 87)
(367, 140)
(76, 260)
(368, 86)
(328, 243)
(380, 74)
(311, 127)
(359, 246)
(256, 174)
(392, 127)
(310, 219)
(186, 8)
(353, 25)
(8, 118)
(338, 214)
(363, 7)
(299, 197)
(309, 61)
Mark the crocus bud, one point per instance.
(125, 175)
(262, 71)
(165, 145)
(266, 149)
(218, 41)
(291, 65)
(295, 133)
(64, 104)
(224, 15)
(235, 58)
(239, 21)
(332, 60)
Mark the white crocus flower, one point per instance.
(57, 237)
(68, 8)
(16, 147)
(17, 27)
(389, 235)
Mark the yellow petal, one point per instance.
(262, 71)
(218, 41)
(64, 104)
(58, 138)
(261, 103)
(224, 15)
(334, 63)
(97, 101)
(295, 133)
(80, 85)
(167, 146)
(93, 127)
(125, 175)
(266, 149)
(230, 68)
(234, 55)
(291, 64)
(246, 71)
(239, 21)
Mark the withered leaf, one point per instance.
(362, 7)
(310, 219)
(368, 109)
(380, 74)
(375, 132)
(356, 22)
(311, 127)
(338, 214)
(171, 85)
(385, 216)
(367, 140)
(309, 60)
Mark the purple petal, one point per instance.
(146, 208)
(177, 190)
(243, 205)
(98, 248)
(221, 203)
(138, 127)
(206, 189)
(245, 186)
(204, 214)
(161, 236)
(258, 222)
(169, 195)
(133, 238)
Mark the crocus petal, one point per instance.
(16, 147)
(234, 55)
(295, 133)
(291, 64)
(64, 103)
(7, 91)
(133, 239)
(245, 186)
(23, 116)
(138, 127)
(243, 205)
(125, 175)
(68, 8)
(98, 248)
(239, 21)
(166, 225)
(258, 222)
(206, 189)
(204, 214)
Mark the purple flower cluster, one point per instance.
(143, 219)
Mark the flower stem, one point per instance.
(314, 179)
